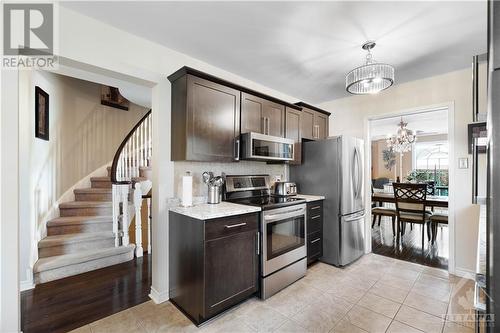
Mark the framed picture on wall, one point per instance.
(41, 114)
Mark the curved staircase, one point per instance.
(93, 231)
(82, 238)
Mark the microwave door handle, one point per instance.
(237, 153)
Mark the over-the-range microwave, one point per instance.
(256, 146)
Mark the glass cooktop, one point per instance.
(270, 201)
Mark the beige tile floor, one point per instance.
(375, 294)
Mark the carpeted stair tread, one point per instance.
(58, 240)
(54, 262)
(85, 204)
(71, 220)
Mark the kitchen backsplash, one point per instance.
(237, 168)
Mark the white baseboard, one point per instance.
(464, 273)
(26, 285)
(158, 297)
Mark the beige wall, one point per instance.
(378, 165)
(378, 168)
(349, 115)
(84, 136)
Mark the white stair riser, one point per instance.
(86, 211)
(75, 247)
(93, 196)
(82, 267)
(79, 228)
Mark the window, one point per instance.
(431, 164)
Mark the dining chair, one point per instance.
(436, 219)
(378, 212)
(410, 206)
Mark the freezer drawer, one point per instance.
(351, 238)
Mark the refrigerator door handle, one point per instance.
(360, 172)
(355, 172)
(355, 217)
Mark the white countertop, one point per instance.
(310, 198)
(204, 211)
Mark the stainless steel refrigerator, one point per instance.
(334, 168)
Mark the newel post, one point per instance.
(125, 213)
(116, 196)
(138, 219)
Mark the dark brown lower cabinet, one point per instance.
(213, 263)
(314, 231)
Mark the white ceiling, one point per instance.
(305, 49)
(434, 122)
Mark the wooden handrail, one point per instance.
(119, 151)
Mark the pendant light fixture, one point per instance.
(404, 139)
(370, 78)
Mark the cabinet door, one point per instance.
(274, 119)
(307, 124)
(292, 131)
(212, 121)
(231, 270)
(321, 125)
(252, 114)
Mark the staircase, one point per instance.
(82, 238)
(92, 231)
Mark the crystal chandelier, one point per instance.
(370, 78)
(403, 141)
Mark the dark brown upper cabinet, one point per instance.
(314, 122)
(293, 131)
(205, 120)
(262, 116)
(321, 125)
(207, 113)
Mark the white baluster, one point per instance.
(137, 152)
(125, 214)
(138, 220)
(116, 194)
(143, 152)
(148, 200)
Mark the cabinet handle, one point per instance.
(258, 243)
(267, 122)
(316, 240)
(263, 125)
(235, 225)
(315, 217)
(237, 153)
(315, 207)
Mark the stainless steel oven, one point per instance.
(256, 146)
(283, 247)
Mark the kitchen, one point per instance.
(261, 187)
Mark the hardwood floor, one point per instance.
(409, 248)
(66, 304)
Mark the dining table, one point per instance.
(430, 201)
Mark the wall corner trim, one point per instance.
(26, 285)
(158, 297)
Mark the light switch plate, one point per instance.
(463, 163)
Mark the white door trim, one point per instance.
(450, 106)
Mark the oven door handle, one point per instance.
(286, 215)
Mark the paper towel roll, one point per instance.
(187, 190)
